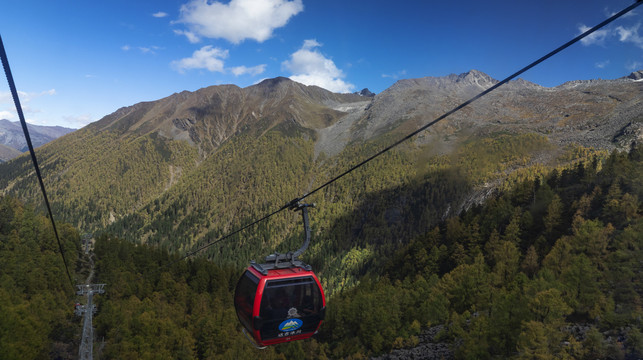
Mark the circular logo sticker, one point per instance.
(292, 313)
(290, 325)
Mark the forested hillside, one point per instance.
(357, 220)
(36, 298)
(548, 267)
(125, 170)
(182, 311)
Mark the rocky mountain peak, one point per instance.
(283, 87)
(477, 78)
(210, 116)
(280, 80)
(521, 83)
(365, 92)
(636, 75)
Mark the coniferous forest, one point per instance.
(36, 298)
(547, 267)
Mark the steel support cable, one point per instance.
(190, 253)
(16, 101)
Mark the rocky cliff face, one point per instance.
(636, 75)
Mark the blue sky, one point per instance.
(75, 62)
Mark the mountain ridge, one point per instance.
(232, 110)
(518, 102)
(208, 117)
(12, 136)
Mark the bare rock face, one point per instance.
(588, 112)
(636, 75)
(428, 348)
(365, 92)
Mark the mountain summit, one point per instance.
(636, 75)
(210, 116)
(475, 78)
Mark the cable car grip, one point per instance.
(284, 261)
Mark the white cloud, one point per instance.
(624, 34)
(630, 35)
(243, 70)
(144, 49)
(602, 64)
(595, 38)
(7, 115)
(149, 49)
(192, 37)
(610, 13)
(396, 75)
(7, 107)
(237, 20)
(634, 65)
(310, 67)
(77, 121)
(159, 14)
(6, 98)
(208, 57)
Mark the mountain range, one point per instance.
(586, 110)
(183, 170)
(12, 138)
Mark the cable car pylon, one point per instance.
(86, 350)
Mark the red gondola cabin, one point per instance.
(279, 305)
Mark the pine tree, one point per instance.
(530, 263)
(553, 218)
